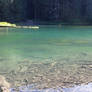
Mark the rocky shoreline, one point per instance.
(49, 75)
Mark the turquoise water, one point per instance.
(67, 45)
(45, 43)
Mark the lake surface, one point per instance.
(50, 56)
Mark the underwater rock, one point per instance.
(84, 54)
(90, 66)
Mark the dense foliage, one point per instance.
(57, 10)
(12, 10)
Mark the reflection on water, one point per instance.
(49, 56)
(3, 31)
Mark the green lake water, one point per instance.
(67, 45)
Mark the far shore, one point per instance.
(37, 24)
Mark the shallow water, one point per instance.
(81, 88)
(58, 56)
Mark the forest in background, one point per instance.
(46, 10)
